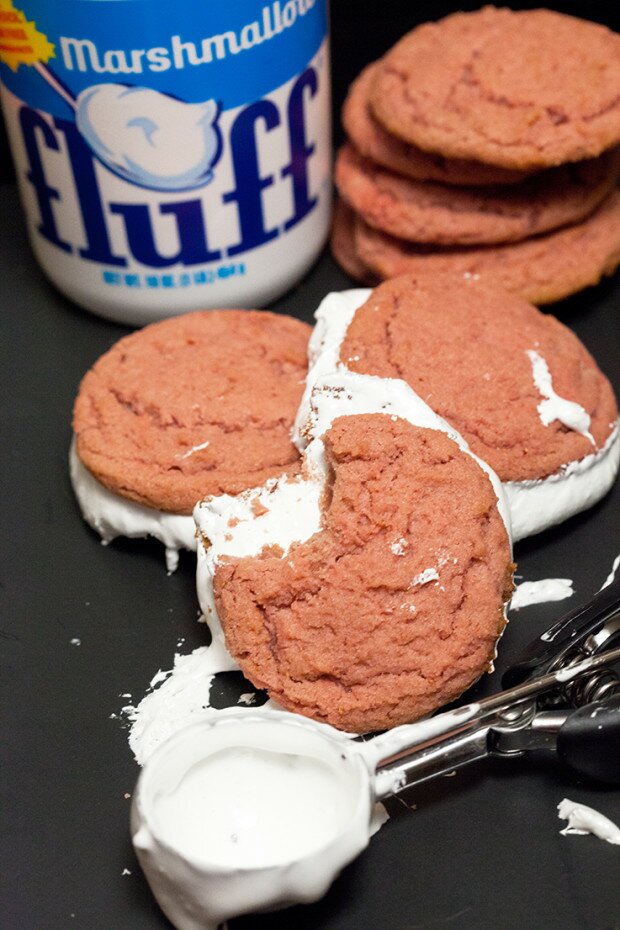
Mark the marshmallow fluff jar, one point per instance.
(170, 157)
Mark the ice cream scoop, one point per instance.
(256, 811)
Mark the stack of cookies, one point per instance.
(485, 144)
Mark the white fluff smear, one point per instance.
(583, 820)
(552, 406)
(541, 592)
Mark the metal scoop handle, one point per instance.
(487, 731)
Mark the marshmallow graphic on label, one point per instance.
(150, 138)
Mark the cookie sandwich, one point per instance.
(517, 384)
(197, 404)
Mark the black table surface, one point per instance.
(478, 850)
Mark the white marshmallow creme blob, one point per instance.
(136, 132)
(258, 811)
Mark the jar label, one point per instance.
(159, 145)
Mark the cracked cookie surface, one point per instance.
(395, 606)
(422, 211)
(543, 269)
(521, 90)
(374, 142)
(463, 348)
(198, 404)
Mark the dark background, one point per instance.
(479, 851)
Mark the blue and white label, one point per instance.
(173, 156)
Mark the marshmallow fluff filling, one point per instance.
(111, 515)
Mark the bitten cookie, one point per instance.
(197, 404)
(391, 603)
(542, 270)
(525, 89)
(420, 211)
(374, 142)
(518, 385)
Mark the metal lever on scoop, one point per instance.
(587, 739)
(507, 724)
(577, 634)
